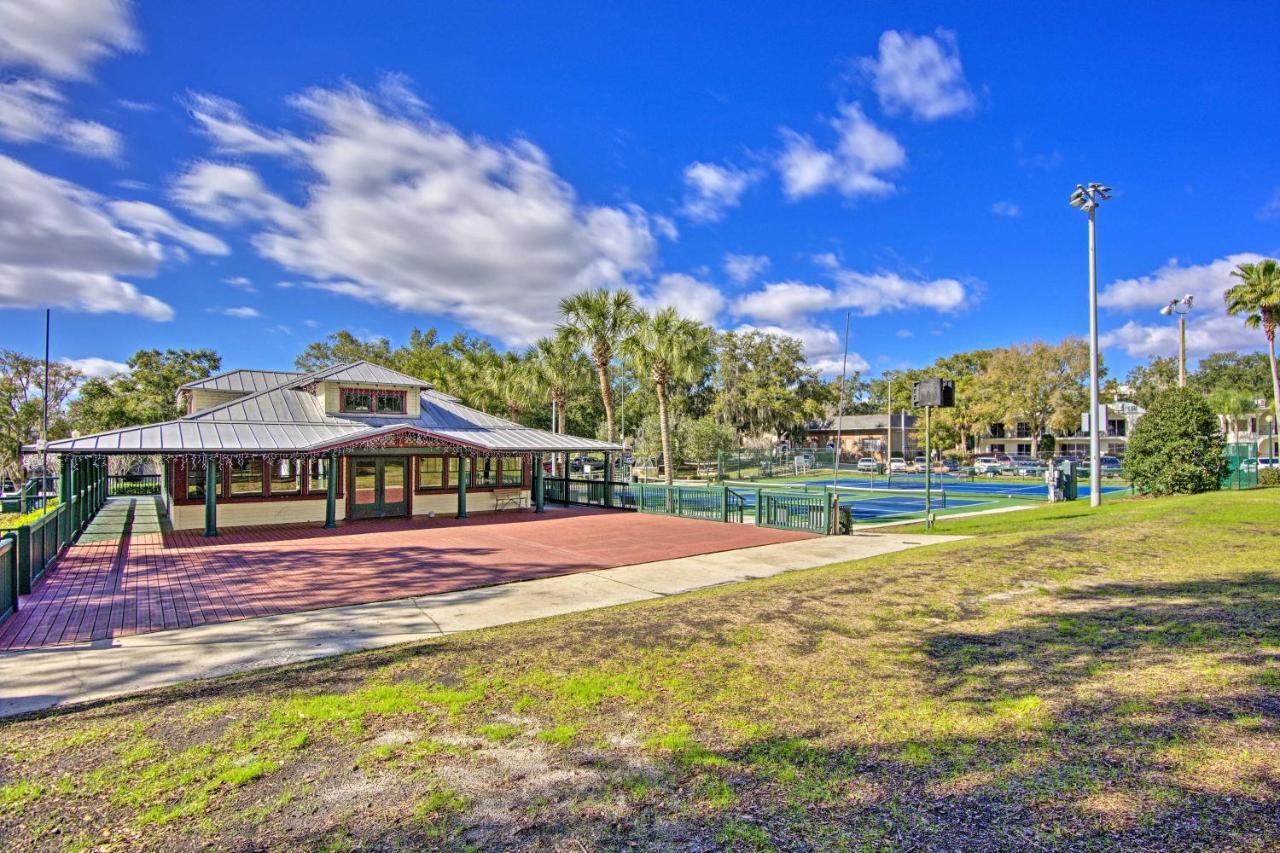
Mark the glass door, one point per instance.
(379, 487)
(394, 487)
(364, 487)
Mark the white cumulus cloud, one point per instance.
(64, 38)
(857, 166)
(243, 312)
(1209, 327)
(693, 298)
(711, 190)
(920, 75)
(46, 40)
(744, 268)
(62, 245)
(404, 210)
(95, 367)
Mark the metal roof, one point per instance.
(244, 381)
(861, 422)
(363, 371)
(290, 417)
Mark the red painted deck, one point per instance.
(151, 582)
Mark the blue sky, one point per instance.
(252, 176)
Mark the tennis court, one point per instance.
(950, 483)
(864, 503)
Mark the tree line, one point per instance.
(667, 386)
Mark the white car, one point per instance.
(1030, 468)
(898, 466)
(988, 465)
(866, 463)
(920, 464)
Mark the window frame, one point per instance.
(181, 470)
(419, 486)
(374, 394)
(299, 478)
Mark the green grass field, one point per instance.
(1066, 679)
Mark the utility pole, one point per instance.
(844, 368)
(44, 419)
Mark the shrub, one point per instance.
(1177, 447)
(1269, 477)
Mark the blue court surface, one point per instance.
(958, 485)
(866, 504)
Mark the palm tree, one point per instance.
(598, 320)
(558, 367)
(510, 381)
(669, 350)
(1257, 296)
(1232, 405)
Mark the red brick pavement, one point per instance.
(151, 582)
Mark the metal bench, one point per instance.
(509, 499)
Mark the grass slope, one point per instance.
(1069, 680)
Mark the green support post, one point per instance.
(608, 479)
(462, 487)
(331, 493)
(22, 557)
(211, 483)
(539, 485)
(724, 503)
(759, 510)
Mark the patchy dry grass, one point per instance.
(1068, 680)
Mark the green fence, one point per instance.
(808, 511)
(8, 576)
(29, 549)
(766, 464)
(712, 503)
(1242, 458)
(614, 494)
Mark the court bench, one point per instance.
(509, 499)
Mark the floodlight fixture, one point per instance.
(1181, 307)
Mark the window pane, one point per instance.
(246, 477)
(431, 472)
(452, 467)
(393, 477)
(486, 470)
(512, 470)
(391, 401)
(286, 477)
(318, 475)
(356, 401)
(365, 477)
(195, 481)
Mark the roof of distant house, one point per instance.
(862, 423)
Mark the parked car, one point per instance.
(988, 466)
(949, 465)
(920, 464)
(1268, 462)
(1030, 468)
(898, 466)
(868, 464)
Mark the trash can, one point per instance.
(1068, 479)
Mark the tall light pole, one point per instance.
(1181, 307)
(1087, 199)
(844, 370)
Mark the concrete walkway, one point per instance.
(43, 678)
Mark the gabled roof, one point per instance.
(290, 418)
(363, 371)
(241, 380)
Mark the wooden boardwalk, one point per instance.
(126, 576)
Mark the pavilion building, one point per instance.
(348, 442)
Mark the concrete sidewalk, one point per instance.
(44, 678)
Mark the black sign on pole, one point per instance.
(939, 393)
